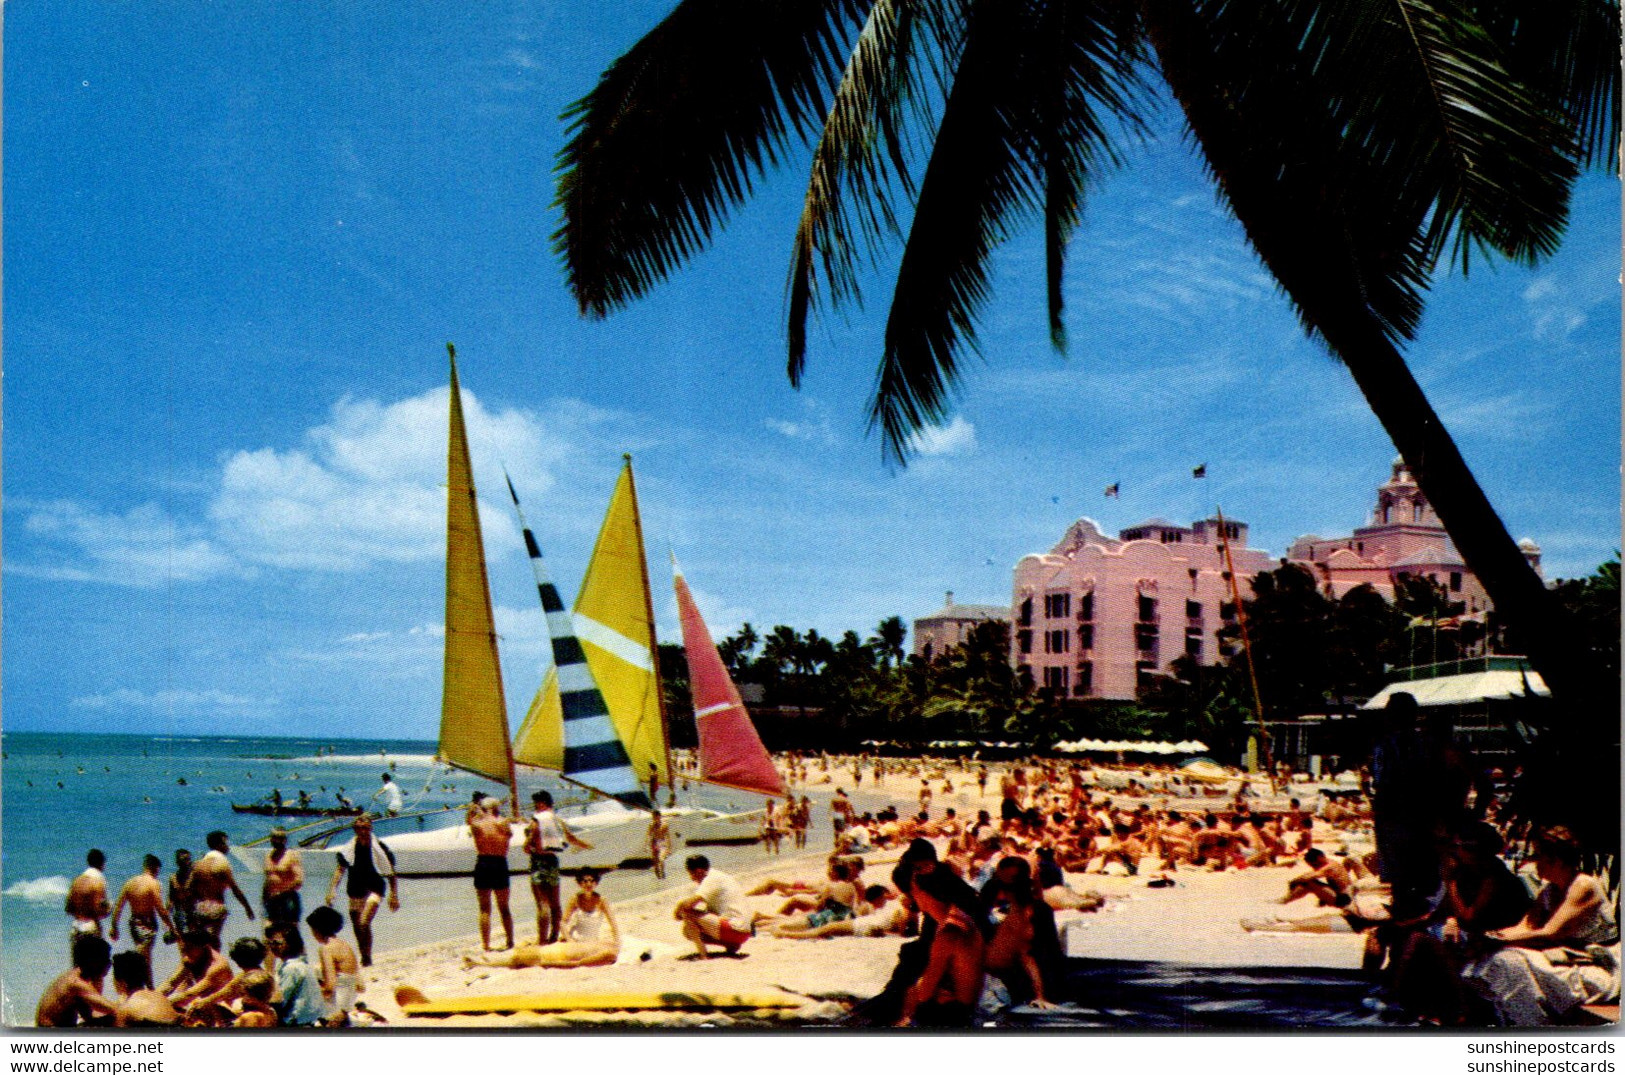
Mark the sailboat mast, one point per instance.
(1246, 646)
(649, 611)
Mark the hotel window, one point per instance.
(1148, 608)
(1145, 637)
(1455, 582)
(1026, 615)
(1086, 606)
(1057, 642)
(1193, 645)
(1193, 610)
(1057, 606)
(1086, 636)
(1024, 641)
(1227, 610)
(1192, 572)
(1057, 679)
(1086, 679)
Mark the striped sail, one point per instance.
(614, 624)
(473, 711)
(590, 750)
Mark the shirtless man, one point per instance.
(492, 835)
(145, 897)
(1327, 880)
(203, 970)
(87, 898)
(75, 997)
(284, 877)
(211, 880)
(659, 837)
(180, 898)
(139, 1004)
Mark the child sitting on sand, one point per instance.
(338, 967)
(257, 987)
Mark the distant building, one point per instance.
(1404, 537)
(1095, 615)
(948, 627)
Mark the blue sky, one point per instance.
(237, 237)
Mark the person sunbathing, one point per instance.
(832, 901)
(1054, 890)
(582, 939)
(883, 914)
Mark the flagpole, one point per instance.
(1247, 648)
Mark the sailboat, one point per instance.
(731, 753)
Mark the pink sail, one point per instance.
(731, 753)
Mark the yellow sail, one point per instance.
(614, 622)
(541, 737)
(473, 712)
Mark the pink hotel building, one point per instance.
(1094, 613)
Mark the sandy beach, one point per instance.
(1197, 921)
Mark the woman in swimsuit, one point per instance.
(582, 941)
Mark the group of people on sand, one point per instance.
(794, 818)
(1454, 934)
(273, 983)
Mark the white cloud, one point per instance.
(368, 487)
(207, 701)
(958, 437)
(1543, 288)
(816, 427)
(365, 488)
(142, 547)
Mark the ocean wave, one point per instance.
(356, 759)
(40, 889)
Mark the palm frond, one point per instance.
(1570, 51)
(1355, 142)
(1092, 64)
(677, 130)
(1022, 130)
(859, 158)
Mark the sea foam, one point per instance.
(40, 889)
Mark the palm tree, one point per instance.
(1359, 143)
(888, 640)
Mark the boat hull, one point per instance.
(619, 839)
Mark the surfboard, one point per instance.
(598, 1001)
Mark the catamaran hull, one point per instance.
(619, 838)
(723, 829)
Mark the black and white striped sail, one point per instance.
(593, 753)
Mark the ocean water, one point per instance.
(130, 795)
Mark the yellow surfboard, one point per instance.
(599, 1002)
